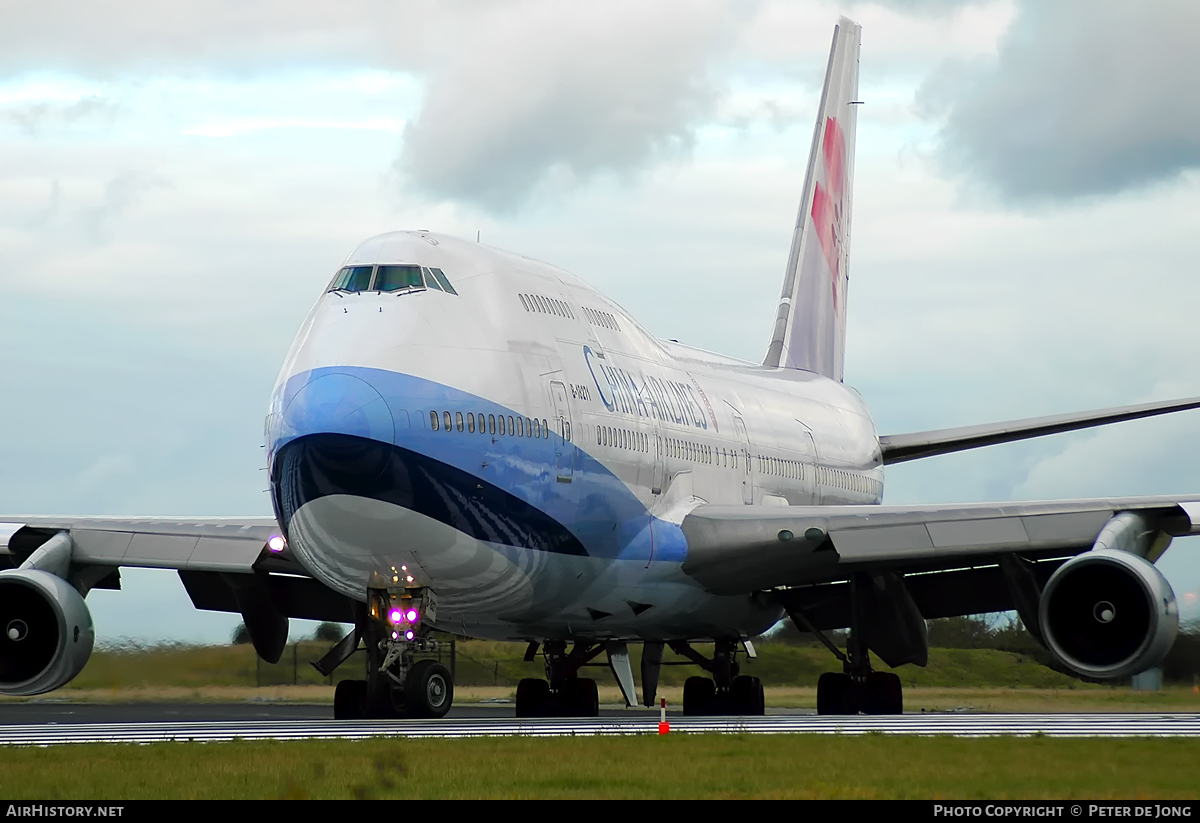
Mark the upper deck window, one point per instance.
(395, 278)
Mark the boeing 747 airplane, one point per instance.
(464, 440)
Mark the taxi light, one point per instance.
(276, 543)
(410, 634)
(395, 615)
(411, 615)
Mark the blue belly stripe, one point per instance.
(497, 488)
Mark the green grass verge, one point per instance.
(677, 766)
(486, 663)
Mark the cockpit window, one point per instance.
(389, 278)
(395, 278)
(430, 280)
(442, 281)
(352, 278)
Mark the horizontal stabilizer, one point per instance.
(898, 448)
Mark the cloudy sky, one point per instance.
(177, 185)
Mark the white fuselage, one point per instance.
(571, 530)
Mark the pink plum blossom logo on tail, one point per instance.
(828, 207)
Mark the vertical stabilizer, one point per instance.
(810, 325)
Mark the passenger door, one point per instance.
(564, 451)
(747, 467)
(658, 481)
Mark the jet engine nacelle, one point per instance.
(1108, 614)
(46, 632)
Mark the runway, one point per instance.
(644, 723)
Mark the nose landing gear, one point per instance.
(405, 673)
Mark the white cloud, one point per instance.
(1082, 99)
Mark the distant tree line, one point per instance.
(326, 633)
(979, 632)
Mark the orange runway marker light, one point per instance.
(663, 725)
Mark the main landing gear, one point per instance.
(563, 693)
(404, 679)
(857, 689)
(727, 692)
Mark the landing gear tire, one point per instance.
(882, 693)
(349, 699)
(835, 694)
(533, 697)
(581, 698)
(746, 696)
(428, 690)
(699, 695)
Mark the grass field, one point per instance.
(677, 766)
(980, 699)
(487, 663)
(955, 679)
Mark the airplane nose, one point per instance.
(338, 403)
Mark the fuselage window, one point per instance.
(545, 428)
(433, 421)
(470, 423)
(459, 420)
(500, 425)
(395, 278)
(492, 423)
(520, 427)
(446, 420)
(528, 427)
(442, 281)
(537, 429)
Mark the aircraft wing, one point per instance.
(897, 448)
(225, 563)
(215, 544)
(741, 549)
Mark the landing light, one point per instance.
(411, 615)
(276, 543)
(395, 615)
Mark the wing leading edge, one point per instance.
(897, 448)
(742, 549)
